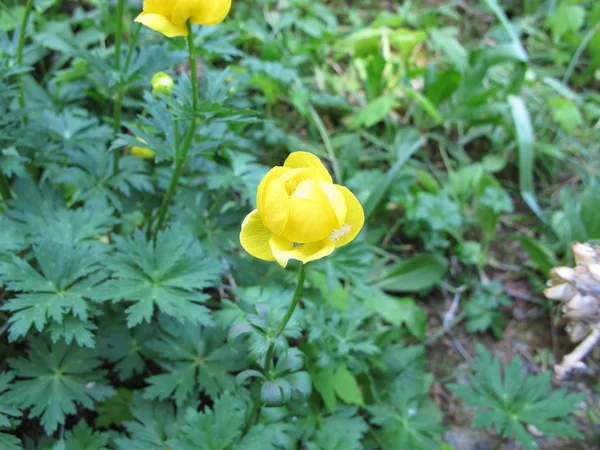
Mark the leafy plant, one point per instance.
(510, 399)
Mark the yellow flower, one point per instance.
(162, 83)
(169, 17)
(142, 152)
(300, 213)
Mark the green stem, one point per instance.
(5, 187)
(500, 439)
(117, 107)
(286, 318)
(181, 154)
(575, 60)
(316, 118)
(21, 46)
(132, 44)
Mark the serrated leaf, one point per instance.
(511, 399)
(195, 358)
(212, 429)
(69, 274)
(154, 423)
(169, 275)
(82, 437)
(343, 430)
(55, 380)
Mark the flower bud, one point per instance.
(162, 83)
(142, 152)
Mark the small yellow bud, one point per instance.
(162, 83)
(142, 152)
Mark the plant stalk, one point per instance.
(286, 318)
(5, 187)
(181, 154)
(500, 440)
(21, 46)
(117, 106)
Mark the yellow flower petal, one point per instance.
(337, 200)
(311, 217)
(203, 12)
(162, 7)
(355, 219)
(161, 24)
(274, 207)
(301, 160)
(284, 250)
(254, 237)
(214, 15)
(275, 172)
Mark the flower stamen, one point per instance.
(336, 234)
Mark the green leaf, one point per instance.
(324, 383)
(407, 142)
(396, 310)
(374, 112)
(408, 418)
(82, 437)
(69, 275)
(342, 430)
(115, 410)
(420, 272)
(170, 275)
(487, 209)
(56, 381)
(7, 409)
(445, 40)
(565, 19)
(512, 399)
(525, 140)
(154, 424)
(566, 114)
(541, 256)
(212, 429)
(195, 358)
(346, 387)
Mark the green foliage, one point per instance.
(511, 399)
(8, 413)
(55, 380)
(133, 318)
(408, 417)
(169, 274)
(484, 309)
(195, 359)
(69, 275)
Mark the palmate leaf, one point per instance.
(7, 413)
(54, 380)
(91, 176)
(408, 417)
(154, 424)
(196, 358)
(40, 207)
(342, 430)
(68, 274)
(10, 442)
(122, 346)
(170, 275)
(82, 437)
(514, 399)
(220, 428)
(212, 429)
